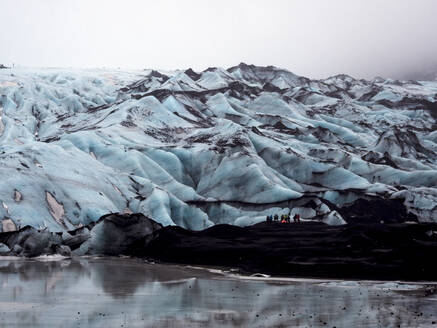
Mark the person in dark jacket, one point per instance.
(296, 218)
(287, 218)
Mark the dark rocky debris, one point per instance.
(379, 242)
(192, 74)
(357, 251)
(112, 234)
(377, 210)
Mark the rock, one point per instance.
(116, 234)
(376, 210)
(4, 249)
(36, 244)
(75, 241)
(63, 250)
(12, 238)
(30, 242)
(112, 234)
(17, 249)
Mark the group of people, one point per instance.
(285, 218)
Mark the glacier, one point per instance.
(196, 149)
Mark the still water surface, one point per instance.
(115, 292)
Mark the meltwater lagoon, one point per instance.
(123, 292)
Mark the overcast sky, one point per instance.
(315, 38)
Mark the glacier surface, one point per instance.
(218, 146)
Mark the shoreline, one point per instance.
(212, 271)
(359, 251)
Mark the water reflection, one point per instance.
(129, 293)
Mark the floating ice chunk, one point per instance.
(50, 258)
(397, 286)
(344, 284)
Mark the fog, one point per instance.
(315, 38)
